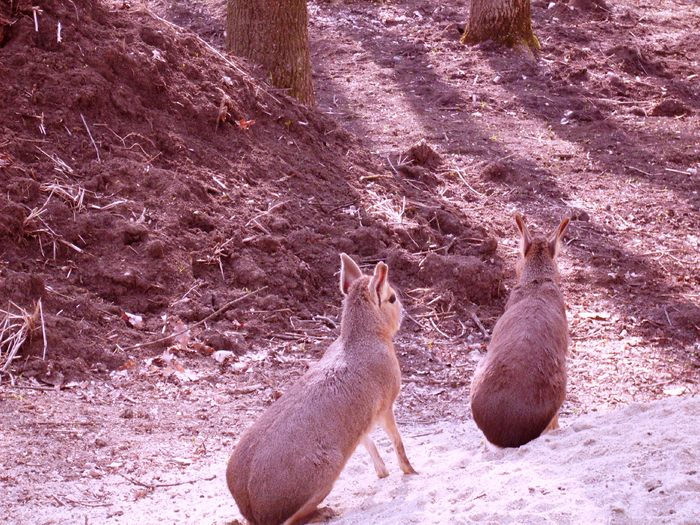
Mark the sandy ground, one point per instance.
(637, 464)
(633, 465)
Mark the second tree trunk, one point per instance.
(506, 22)
(273, 34)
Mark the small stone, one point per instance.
(498, 171)
(577, 214)
(488, 246)
(224, 340)
(448, 222)
(134, 233)
(220, 356)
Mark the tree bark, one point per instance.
(275, 35)
(506, 22)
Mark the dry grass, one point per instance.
(34, 224)
(73, 195)
(16, 328)
(388, 208)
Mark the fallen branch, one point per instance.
(91, 504)
(640, 171)
(157, 485)
(435, 326)
(26, 387)
(220, 310)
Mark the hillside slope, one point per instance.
(148, 175)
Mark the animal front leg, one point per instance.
(389, 424)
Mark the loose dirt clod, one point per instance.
(424, 155)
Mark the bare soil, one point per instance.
(150, 181)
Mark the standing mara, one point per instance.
(520, 383)
(288, 461)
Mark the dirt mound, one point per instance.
(148, 175)
(670, 108)
(636, 61)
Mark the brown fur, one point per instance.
(288, 461)
(520, 384)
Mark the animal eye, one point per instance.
(392, 299)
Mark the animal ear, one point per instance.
(525, 237)
(379, 281)
(556, 237)
(349, 272)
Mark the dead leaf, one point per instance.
(183, 334)
(133, 320)
(245, 124)
(221, 356)
(185, 375)
(141, 493)
(202, 349)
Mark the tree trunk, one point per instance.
(273, 34)
(506, 22)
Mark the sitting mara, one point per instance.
(288, 461)
(520, 383)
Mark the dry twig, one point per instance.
(59, 164)
(478, 323)
(91, 139)
(269, 210)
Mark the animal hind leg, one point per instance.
(320, 515)
(553, 424)
(377, 461)
(389, 424)
(309, 510)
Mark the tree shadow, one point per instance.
(441, 104)
(437, 110)
(646, 153)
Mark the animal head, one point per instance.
(538, 253)
(371, 299)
